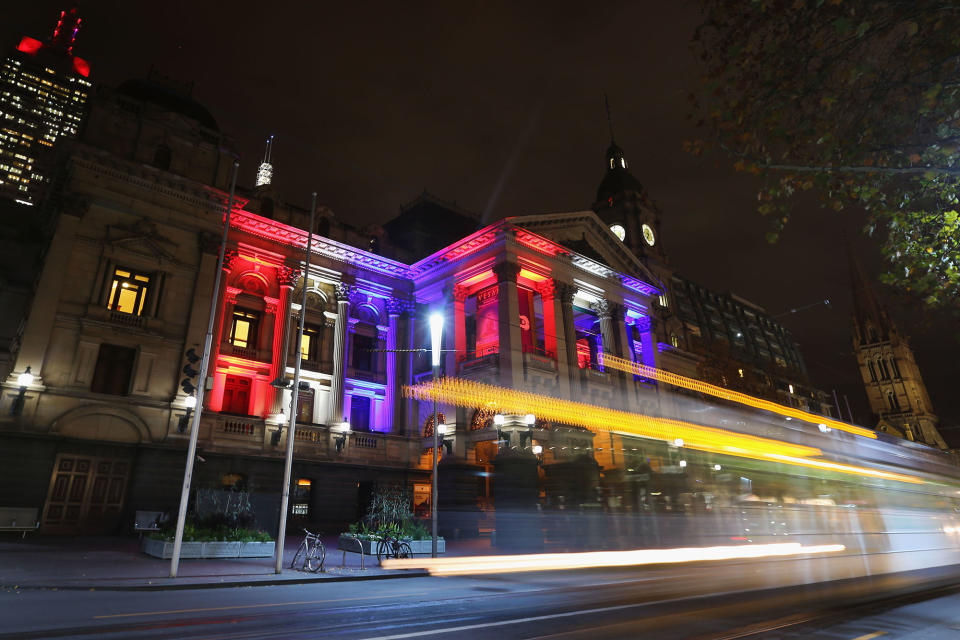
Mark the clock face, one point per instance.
(618, 231)
(648, 235)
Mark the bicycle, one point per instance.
(391, 547)
(311, 553)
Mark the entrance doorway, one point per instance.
(86, 494)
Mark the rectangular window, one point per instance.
(364, 358)
(128, 292)
(243, 328)
(360, 413)
(113, 370)
(310, 345)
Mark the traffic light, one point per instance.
(188, 384)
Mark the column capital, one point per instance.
(459, 292)
(603, 308)
(644, 323)
(272, 305)
(399, 306)
(547, 288)
(564, 290)
(506, 271)
(343, 291)
(230, 259)
(288, 276)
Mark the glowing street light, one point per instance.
(24, 380)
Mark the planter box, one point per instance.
(164, 549)
(419, 547)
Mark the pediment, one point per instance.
(584, 233)
(142, 238)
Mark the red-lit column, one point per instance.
(508, 320)
(287, 278)
(554, 324)
(228, 299)
(460, 323)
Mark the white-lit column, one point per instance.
(339, 354)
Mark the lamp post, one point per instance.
(288, 459)
(436, 337)
(25, 379)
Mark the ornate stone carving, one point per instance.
(397, 306)
(288, 276)
(547, 288)
(230, 260)
(506, 271)
(343, 292)
(459, 293)
(602, 308)
(565, 291)
(271, 305)
(231, 294)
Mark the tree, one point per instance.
(856, 101)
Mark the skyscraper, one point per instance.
(43, 93)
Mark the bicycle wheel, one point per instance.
(404, 551)
(383, 550)
(300, 556)
(314, 559)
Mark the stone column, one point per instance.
(410, 425)
(554, 334)
(287, 278)
(604, 313)
(564, 297)
(391, 403)
(455, 327)
(339, 353)
(508, 319)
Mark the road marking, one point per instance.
(871, 636)
(249, 606)
(467, 627)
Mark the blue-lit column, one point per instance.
(391, 402)
(339, 353)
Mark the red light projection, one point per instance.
(539, 243)
(29, 45)
(81, 66)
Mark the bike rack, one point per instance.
(343, 559)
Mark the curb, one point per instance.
(212, 585)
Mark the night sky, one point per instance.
(499, 107)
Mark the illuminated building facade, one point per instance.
(44, 89)
(719, 337)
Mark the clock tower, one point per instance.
(623, 205)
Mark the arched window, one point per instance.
(873, 370)
(895, 368)
(882, 367)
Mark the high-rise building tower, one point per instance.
(895, 389)
(43, 94)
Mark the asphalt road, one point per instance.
(697, 602)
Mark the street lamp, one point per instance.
(342, 430)
(436, 338)
(190, 402)
(25, 379)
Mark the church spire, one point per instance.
(871, 323)
(265, 171)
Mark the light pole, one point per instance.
(202, 377)
(24, 380)
(436, 337)
(288, 461)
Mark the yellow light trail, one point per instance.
(467, 393)
(475, 565)
(621, 364)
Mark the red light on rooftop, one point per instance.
(29, 45)
(81, 66)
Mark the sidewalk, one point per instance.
(116, 563)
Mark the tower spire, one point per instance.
(265, 170)
(606, 103)
(869, 317)
(65, 34)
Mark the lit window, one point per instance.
(243, 329)
(128, 292)
(674, 340)
(310, 344)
